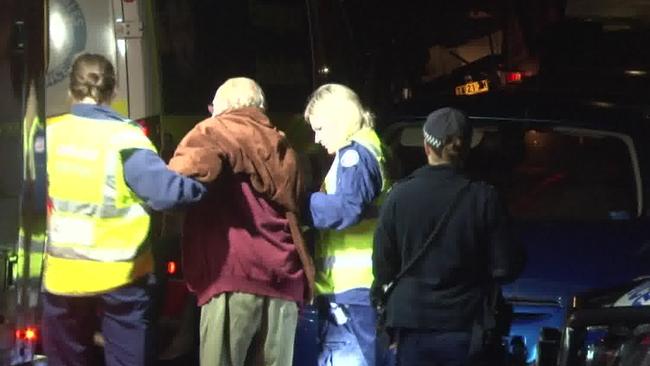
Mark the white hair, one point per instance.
(342, 104)
(236, 93)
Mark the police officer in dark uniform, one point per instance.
(438, 292)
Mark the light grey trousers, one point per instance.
(239, 329)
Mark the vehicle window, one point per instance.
(612, 9)
(205, 42)
(575, 175)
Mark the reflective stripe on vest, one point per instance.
(98, 226)
(94, 254)
(344, 258)
(350, 260)
(100, 211)
(71, 230)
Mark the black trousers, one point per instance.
(433, 348)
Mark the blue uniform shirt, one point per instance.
(353, 185)
(145, 172)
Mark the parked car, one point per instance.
(573, 172)
(608, 326)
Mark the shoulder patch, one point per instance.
(350, 158)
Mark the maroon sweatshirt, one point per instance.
(235, 240)
(244, 236)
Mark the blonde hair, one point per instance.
(340, 103)
(236, 93)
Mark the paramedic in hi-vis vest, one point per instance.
(345, 211)
(104, 176)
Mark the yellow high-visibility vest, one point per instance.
(98, 227)
(344, 257)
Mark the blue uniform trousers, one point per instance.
(350, 339)
(124, 316)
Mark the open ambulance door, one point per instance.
(22, 178)
(122, 31)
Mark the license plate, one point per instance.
(473, 87)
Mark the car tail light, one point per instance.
(171, 267)
(29, 334)
(513, 77)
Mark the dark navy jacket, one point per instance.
(446, 288)
(357, 182)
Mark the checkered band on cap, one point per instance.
(431, 140)
(445, 123)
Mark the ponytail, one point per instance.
(92, 76)
(367, 119)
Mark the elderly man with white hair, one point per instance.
(243, 252)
